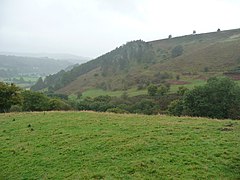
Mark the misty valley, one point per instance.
(167, 108)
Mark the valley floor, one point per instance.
(89, 145)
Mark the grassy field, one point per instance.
(100, 92)
(135, 92)
(88, 145)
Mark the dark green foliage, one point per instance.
(103, 99)
(177, 51)
(219, 98)
(152, 90)
(35, 101)
(57, 104)
(182, 90)
(137, 104)
(145, 106)
(9, 96)
(163, 90)
(100, 103)
(176, 108)
(117, 110)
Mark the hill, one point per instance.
(57, 56)
(87, 145)
(13, 66)
(138, 63)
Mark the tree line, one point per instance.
(218, 98)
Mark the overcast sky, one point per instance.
(93, 27)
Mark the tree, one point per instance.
(145, 106)
(152, 90)
(163, 90)
(170, 36)
(10, 95)
(35, 101)
(194, 32)
(182, 90)
(219, 98)
(175, 108)
(57, 104)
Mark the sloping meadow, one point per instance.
(88, 145)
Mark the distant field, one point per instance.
(87, 145)
(29, 81)
(134, 92)
(100, 92)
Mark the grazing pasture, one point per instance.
(89, 145)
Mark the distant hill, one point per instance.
(58, 56)
(139, 63)
(13, 66)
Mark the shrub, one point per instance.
(117, 110)
(175, 108)
(35, 101)
(219, 98)
(15, 108)
(57, 104)
(10, 95)
(152, 90)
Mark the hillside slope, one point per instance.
(138, 63)
(87, 145)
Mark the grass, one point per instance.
(28, 78)
(88, 145)
(99, 92)
(134, 92)
(193, 83)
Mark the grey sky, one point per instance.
(94, 27)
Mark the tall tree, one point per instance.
(10, 95)
(219, 98)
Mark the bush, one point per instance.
(163, 90)
(57, 104)
(35, 101)
(15, 108)
(175, 108)
(152, 90)
(10, 95)
(219, 98)
(117, 110)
